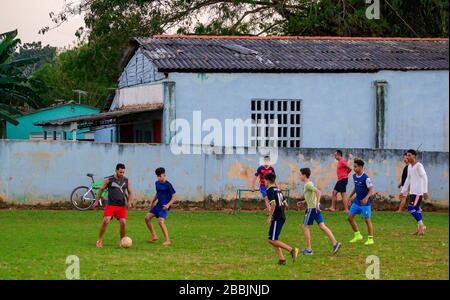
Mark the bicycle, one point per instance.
(83, 197)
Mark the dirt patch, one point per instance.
(379, 203)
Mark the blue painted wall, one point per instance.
(338, 109)
(194, 177)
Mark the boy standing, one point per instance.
(276, 219)
(119, 188)
(313, 213)
(362, 203)
(165, 194)
(341, 185)
(417, 184)
(261, 172)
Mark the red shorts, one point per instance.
(120, 212)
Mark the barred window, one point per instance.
(286, 112)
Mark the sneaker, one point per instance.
(336, 247)
(369, 242)
(307, 252)
(99, 243)
(294, 253)
(282, 262)
(358, 237)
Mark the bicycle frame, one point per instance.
(95, 187)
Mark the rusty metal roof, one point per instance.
(179, 53)
(101, 116)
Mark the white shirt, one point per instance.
(416, 181)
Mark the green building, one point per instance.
(26, 130)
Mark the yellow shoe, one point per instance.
(369, 241)
(357, 237)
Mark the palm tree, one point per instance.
(15, 88)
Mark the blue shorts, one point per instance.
(263, 190)
(275, 229)
(365, 210)
(159, 212)
(312, 215)
(341, 185)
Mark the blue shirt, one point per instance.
(362, 185)
(164, 192)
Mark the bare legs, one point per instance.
(324, 228)
(334, 200)
(278, 245)
(161, 222)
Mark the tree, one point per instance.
(34, 50)
(110, 24)
(15, 88)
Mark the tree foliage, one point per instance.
(94, 66)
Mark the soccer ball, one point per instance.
(126, 242)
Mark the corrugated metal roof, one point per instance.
(293, 54)
(101, 116)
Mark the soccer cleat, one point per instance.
(369, 242)
(294, 253)
(307, 252)
(99, 243)
(336, 247)
(282, 262)
(358, 237)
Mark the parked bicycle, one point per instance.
(83, 197)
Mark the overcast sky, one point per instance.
(28, 16)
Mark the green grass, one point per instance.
(34, 244)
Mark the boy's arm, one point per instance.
(424, 177)
(318, 195)
(153, 200)
(172, 200)
(100, 191)
(254, 182)
(130, 194)
(352, 193)
(369, 194)
(272, 209)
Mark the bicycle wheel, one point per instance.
(82, 198)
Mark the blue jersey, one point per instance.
(362, 185)
(164, 191)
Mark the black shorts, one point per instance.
(341, 185)
(415, 200)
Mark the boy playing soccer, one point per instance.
(119, 188)
(165, 193)
(313, 213)
(362, 203)
(261, 172)
(417, 184)
(276, 219)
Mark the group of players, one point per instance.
(413, 186)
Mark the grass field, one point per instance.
(34, 244)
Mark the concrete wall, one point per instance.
(338, 108)
(43, 171)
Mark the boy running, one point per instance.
(313, 213)
(362, 203)
(119, 189)
(340, 187)
(276, 219)
(261, 172)
(417, 184)
(165, 193)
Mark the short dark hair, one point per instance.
(359, 162)
(306, 172)
(160, 171)
(270, 177)
(120, 166)
(405, 153)
(412, 151)
(267, 157)
(339, 152)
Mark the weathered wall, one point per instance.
(45, 171)
(338, 109)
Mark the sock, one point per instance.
(370, 237)
(357, 233)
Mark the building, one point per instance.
(325, 92)
(27, 130)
